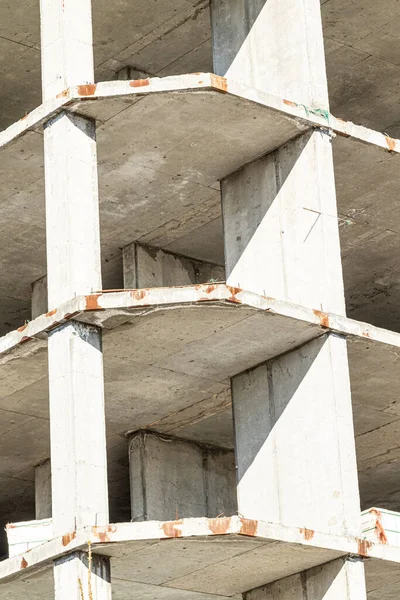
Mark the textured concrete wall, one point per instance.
(173, 478)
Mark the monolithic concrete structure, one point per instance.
(199, 300)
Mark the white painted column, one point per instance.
(67, 45)
(43, 491)
(295, 442)
(80, 575)
(77, 421)
(281, 227)
(76, 386)
(173, 478)
(273, 45)
(337, 580)
(146, 267)
(72, 208)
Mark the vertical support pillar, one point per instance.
(80, 575)
(273, 45)
(39, 297)
(43, 491)
(295, 442)
(342, 578)
(293, 415)
(76, 386)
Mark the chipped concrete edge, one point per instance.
(101, 538)
(71, 98)
(93, 307)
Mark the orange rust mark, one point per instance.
(366, 334)
(363, 547)
(323, 318)
(234, 291)
(248, 527)
(290, 103)
(26, 338)
(138, 294)
(67, 539)
(308, 534)
(391, 143)
(51, 313)
(24, 563)
(87, 90)
(63, 94)
(139, 83)
(171, 528)
(219, 83)
(103, 533)
(379, 527)
(209, 289)
(219, 526)
(22, 328)
(92, 302)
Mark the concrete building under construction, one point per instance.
(200, 300)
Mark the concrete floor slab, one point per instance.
(196, 130)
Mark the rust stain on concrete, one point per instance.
(379, 527)
(248, 527)
(103, 533)
(68, 537)
(391, 143)
(24, 563)
(323, 317)
(139, 83)
(219, 83)
(138, 294)
(233, 291)
(51, 313)
(219, 526)
(308, 534)
(22, 328)
(290, 103)
(172, 528)
(92, 302)
(63, 94)
(363, 547)
(87, 90)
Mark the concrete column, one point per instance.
(43, 491)
(173, 478)
(340, 579)
(281, 228)
(80, 575)
(295, 441)
(77, 427)
(146, 267)
(67, 45)
(72, 208)
(273, 45)
(39, 297)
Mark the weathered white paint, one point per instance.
(281, 228)
(72, 208)
(26, 535)
(272, 45)
(79, 573)
(172, 478)
(295, 441)
(67, 45)
(147, 267)
(340, 579)
(43, 490)
(77, 427)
